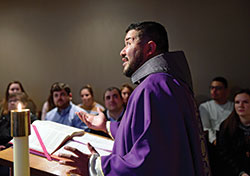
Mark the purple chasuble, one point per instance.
(159, 134)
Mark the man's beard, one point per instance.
(62, 105)
(133, 66)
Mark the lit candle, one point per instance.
(20, 131)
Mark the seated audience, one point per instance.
(233, 140)
(16, 86)
(88, 102)
(65, 110)
(48, 105)
(126, 91)
(113, 104)
(13, 100)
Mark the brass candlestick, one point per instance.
(20, 131)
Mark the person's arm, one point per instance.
(44, 110)
(206, 122)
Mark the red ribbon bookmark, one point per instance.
(41, 143)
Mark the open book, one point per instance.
(55, 136)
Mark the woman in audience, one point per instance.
(126, 91)
(88, 102)
(234, 138)
(13, 100)
(49, 104)
(16, 86)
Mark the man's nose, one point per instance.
(122, 53)
(213, 90)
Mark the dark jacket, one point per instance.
(5, 136)
(234, 150)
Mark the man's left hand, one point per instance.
(80, 161)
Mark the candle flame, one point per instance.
(19, 107)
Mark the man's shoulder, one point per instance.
(52, 111)
(230, 103)
(51, 114)
(161, 82)
(207, 103)
(154, 79)
(156, 83)
(159, 76)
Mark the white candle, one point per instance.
(20, 130)
(21, 156)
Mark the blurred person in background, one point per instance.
(64, 111)
(49, 104)
(13, 100)
(126, 91)
(233, 140)
(16, 86)
(88, 102)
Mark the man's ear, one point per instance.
(150, 48)
(70, 96)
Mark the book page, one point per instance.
(102, 145)
(96, 141)
(52, 134)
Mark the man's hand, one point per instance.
(214, 142)
(2, 147)
(80, 161)
(97, 122)
(244, 174)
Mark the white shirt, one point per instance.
(212, 115)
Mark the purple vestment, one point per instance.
(159, 134)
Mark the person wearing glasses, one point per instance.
(213, 113)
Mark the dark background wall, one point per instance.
(78, 42)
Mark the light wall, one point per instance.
(78, 42)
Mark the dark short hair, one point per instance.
(110, 89)
(222, 80)
(153, 31)
(60, 86)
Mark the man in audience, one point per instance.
(214, 111)
(65, 110)
(114, 104)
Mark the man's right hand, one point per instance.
(95, 122)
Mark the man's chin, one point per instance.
(128, 72)
(62, 106)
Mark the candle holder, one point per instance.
(20, 131)
(20, 123)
